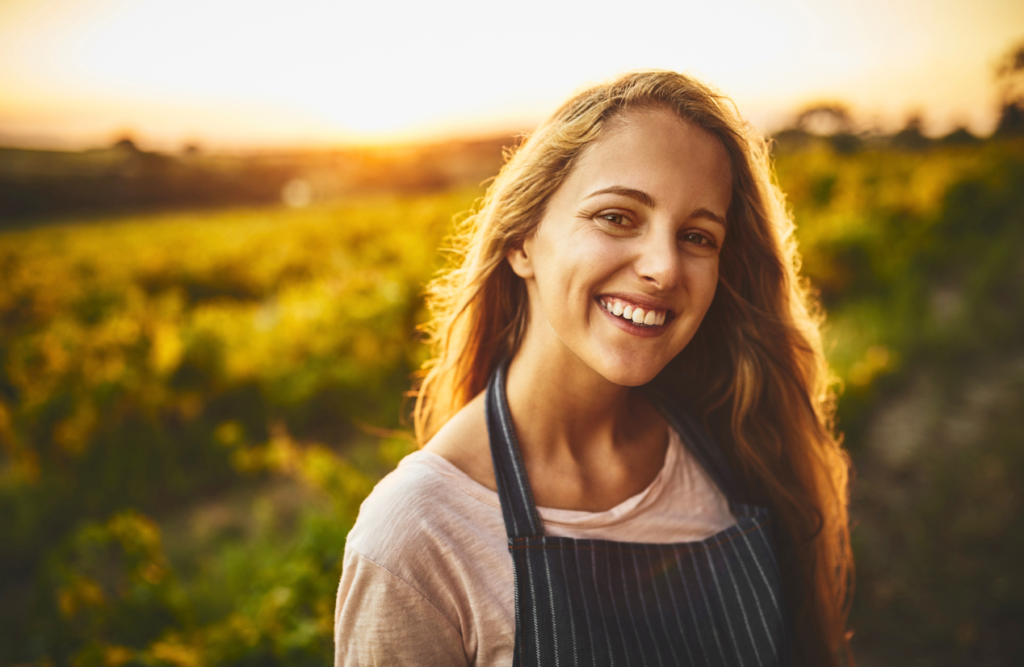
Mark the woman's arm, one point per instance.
(382, 620)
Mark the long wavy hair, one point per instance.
(754, 371)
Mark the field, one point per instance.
(193, 405)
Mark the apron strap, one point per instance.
(517, 506)
(697, 441)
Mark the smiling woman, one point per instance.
(626, 424)
(638, 222)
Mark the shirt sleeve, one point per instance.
(380, 619)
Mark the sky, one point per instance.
(256, 73)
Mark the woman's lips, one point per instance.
(629, 325)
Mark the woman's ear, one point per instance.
(519, 259)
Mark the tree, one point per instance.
(911, 137)
(823, 122)
(1009, 74)
(825, 119)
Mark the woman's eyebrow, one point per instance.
(632, 193)
(710, 215)
(648, 200)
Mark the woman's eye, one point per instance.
(699, 239)
(616, 219)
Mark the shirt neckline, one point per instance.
(565, 517)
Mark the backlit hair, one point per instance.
(754, 371)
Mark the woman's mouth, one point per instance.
(636, 314)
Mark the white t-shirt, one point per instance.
(427, 576)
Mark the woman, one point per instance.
(628, 452)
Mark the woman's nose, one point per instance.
(659, 261)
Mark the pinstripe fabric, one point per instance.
(714, 602)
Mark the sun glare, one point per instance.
(322, 70)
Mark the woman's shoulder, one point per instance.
(426, 524)
(427, 507)
(464, 443)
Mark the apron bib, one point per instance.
(715, 602)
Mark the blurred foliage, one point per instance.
(122, 178)
(1009, 76)
(919, 259)
(193, 406)
(156, 364)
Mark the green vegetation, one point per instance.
(192, 407)
(920, 261)
(167, 366)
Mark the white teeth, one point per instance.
(649, 318)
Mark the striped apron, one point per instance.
(623, 604)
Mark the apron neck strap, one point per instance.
(517, 506)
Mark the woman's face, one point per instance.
(623, 265)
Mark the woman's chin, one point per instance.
(630, 374)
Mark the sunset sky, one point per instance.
(228, 73)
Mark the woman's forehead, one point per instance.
(656, 151)
(637, 119)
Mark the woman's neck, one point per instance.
(587, 443)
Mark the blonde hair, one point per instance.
(754, 371)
